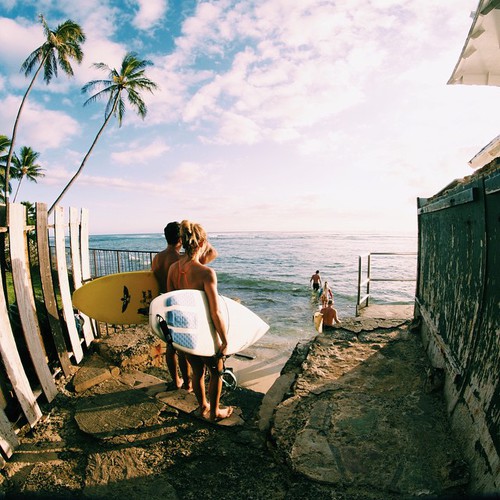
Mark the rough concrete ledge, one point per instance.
(362, 414)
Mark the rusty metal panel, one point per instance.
(452, 264)
(485, 362)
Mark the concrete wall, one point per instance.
(458, 301)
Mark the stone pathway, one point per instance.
(363, 414)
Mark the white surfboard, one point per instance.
(187, 315)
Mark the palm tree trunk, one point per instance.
(106, 121)
(17, 189)
(14, 133)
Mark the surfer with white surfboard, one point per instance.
(188, 272)
(176, 360)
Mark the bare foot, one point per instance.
(222, 414)
(173, 386)
(187, 387)
(202, 412)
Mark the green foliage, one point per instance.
(25, 166)
(4, 147)
(131, 80)
(64, 42)
(59, 48)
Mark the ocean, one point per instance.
(270, 272)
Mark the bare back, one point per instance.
(161, 265)
(329, 316)
(190, 274)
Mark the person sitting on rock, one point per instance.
(330, 318)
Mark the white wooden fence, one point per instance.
(39, 337)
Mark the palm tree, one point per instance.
(59, 48)
(4, 146)
(26, 166)
(131, 79)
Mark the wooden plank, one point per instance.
(62, 271)
(74, 243)
(84, 244)
(14, 367)
(444, 348)
(42, 234)
(492, 183)
(466, 196)
(85, 255)
(26, 300)
(8, 438)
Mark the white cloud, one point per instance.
(139, 153)
(18, 38)
(151, 12)
(189, 173)
(237, 129)
(39, 127)
(123, 184)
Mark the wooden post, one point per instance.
(26, 300)
(85, 254)
(8, 438)
(62, 270)
(74, 242)
(13, 365)
(42, 235)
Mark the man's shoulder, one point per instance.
(168, 260)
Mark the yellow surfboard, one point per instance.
(318, 322)
(118, 299)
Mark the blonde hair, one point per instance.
(192, 234)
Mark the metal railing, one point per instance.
(104, 261)
(363, 300)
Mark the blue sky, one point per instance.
(271, 114)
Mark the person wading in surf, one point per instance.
(316, 281)
(161, 264)
(326, 295)
(190, 273)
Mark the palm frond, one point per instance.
(33, 59)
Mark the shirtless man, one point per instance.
(160, 266)
(330, 317)
(316, 281)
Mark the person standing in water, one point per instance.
(316, 281)
(326, 294)
(160, 266)
(190, 273)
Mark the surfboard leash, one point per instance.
(164, 329)
(228, 378)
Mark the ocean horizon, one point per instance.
(270, 271)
